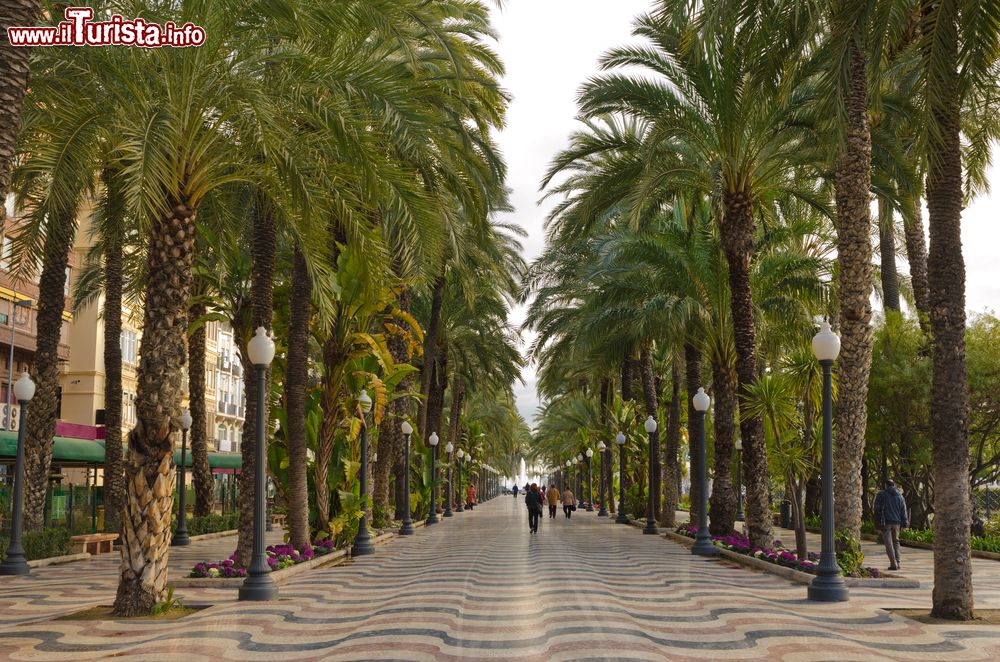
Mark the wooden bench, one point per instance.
(94, 543)
(278, 519)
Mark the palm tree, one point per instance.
(722, 122)
(956, 66)
(13, 83)
(204, 485)
(296, 375)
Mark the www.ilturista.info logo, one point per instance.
(79, 30)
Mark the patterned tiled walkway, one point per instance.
(478, 586)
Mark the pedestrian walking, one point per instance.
(568, 502)
(533, 499)
(514, 490)
(552, 496)
(470, 496)
(891, 516)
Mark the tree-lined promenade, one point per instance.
(325, 177)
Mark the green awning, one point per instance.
(85, 451)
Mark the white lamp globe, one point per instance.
(701, 401)
(601, 446)
(460, 454)
(24, 388)
(650, 425)
(826, 343)
(365, 402)
(449, 447)
(433, 440)
(186, 420)
(261, 348)
(620, 439)
(579, 458)
(406, 427)
(568, 463)
(739, 444)
(590, 453)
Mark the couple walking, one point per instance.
(534, 500)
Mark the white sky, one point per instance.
(550, 47)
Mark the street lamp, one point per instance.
(828, 585)
(590, 481)
(407, 528)
(579, 474)
(433, 517)
(448, 448)
(468, 472)
(181, 537)
(739, 481)
(601, 446)
(622, 517)
(458, 467)
(650, 528)
(259, 585)
(703, 541)
(15, 563)
(363, 540)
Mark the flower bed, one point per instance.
(779, 555)
(278, 557)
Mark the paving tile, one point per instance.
(478, 586)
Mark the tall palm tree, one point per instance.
(296, 375)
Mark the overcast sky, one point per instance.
(549, 48)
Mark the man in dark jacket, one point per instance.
(890, 517)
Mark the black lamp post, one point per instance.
(579, 476)
(828, 585)
(739, 481)
(459, 454)
(407, 528)
(259, 585)
(622, 518)
(590, 480)
(703, 541)
(601, 446)
(650, 528)
(433, 517)
(15, 563)
(449, 448)
(363, 539)
(181, 537)
(468, 472)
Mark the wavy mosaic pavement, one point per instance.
(479, 587)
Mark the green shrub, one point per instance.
(197, 526)
(924, 535)
(40, 545)
(850, 558)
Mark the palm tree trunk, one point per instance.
(41, 424)
(13, 83)
(400, 409)
(952, 595)
(854, 253)
(671, 448)
(723, 504)
(887, 253)
(149, 470)
(692, 374)
(916, 255)
(114, 476)
(296, 375)
(204, 486)
(737, 234)
(430, 354)
(454, 421)
(649, 399)
(263, 251)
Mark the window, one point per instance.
(9, 204)
(128, 408)
(69, 271)
(129, 346)
(222, 439)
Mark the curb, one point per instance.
(797, 575)
(217, 534)
(333, 558)
(56, 560)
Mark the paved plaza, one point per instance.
(478, 586)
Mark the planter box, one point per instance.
(871, 537)
(56, 560)
(333, 558)
(797, 575)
